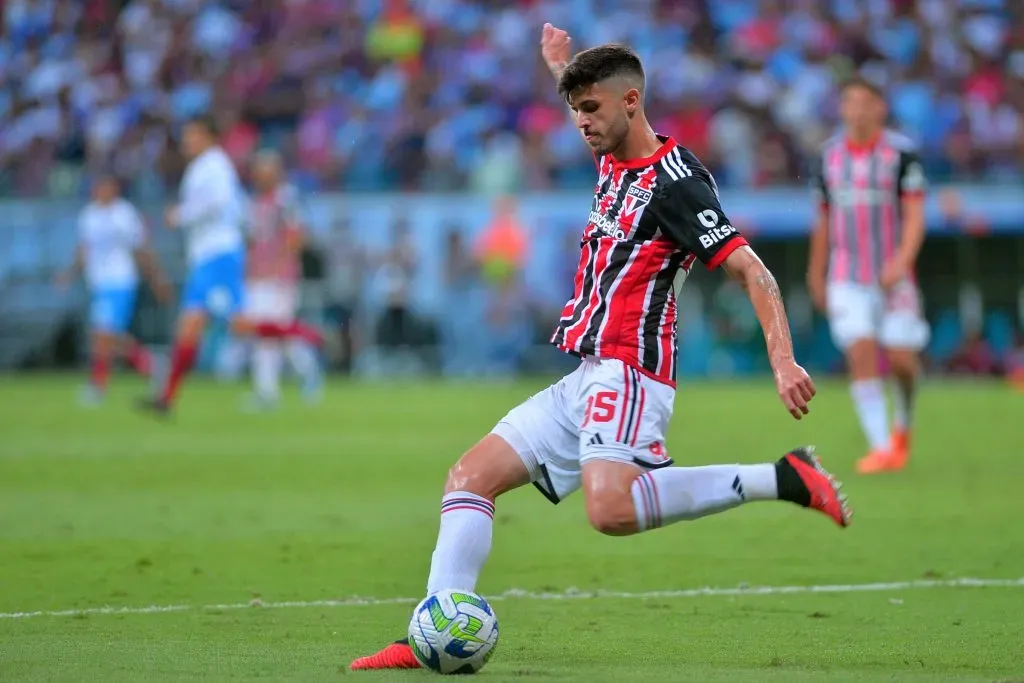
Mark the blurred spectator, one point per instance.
(396, 328)
(449, 94)
(975, 357)
(345, 272)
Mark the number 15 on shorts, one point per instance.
(600, 408)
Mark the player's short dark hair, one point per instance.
(598, 64)
(205, 121)
(861, 81)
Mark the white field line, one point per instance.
(519, 594)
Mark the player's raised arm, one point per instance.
(694, 219)
(817, 265)
(555, 46)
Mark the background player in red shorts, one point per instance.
(272, 282)
(603, 427)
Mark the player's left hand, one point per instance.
(796, 389)
(893, 272)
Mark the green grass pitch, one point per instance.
(216, 507)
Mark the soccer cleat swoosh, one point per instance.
(825, 491)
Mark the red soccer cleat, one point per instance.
(397, 655)
(820, 491)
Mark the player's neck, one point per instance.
(864, 139)
(641, 142)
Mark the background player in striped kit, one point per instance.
(602, 427)
(211, 215)
(111, 251)
(870, 186)
(272, 281)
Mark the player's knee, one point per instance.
(612, 515)
(862, 357)
(903, 364)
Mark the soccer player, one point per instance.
(602, 427)
(211, 214)
(111, 251)
(272, 289)
(870, 188)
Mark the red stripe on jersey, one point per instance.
(626, 279)
(727, 249)
(862, 226)
(574, 334)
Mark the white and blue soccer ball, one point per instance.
(453, 632)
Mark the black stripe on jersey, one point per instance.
(634, 395)
(618, 258)
(584, 299)
(663, 284)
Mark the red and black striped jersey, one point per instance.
(650, 218)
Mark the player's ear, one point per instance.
(632, 100)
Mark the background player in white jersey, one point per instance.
(274, 270)
(870, 186)
(211, 213)
(111, 251)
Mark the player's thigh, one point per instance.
(543, 433)
(110, 310)
(904, 328)
(853, 314)
(622, 435)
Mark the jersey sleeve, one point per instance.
(912, 181)
(692, 217)
(135, 229)
(819, 187)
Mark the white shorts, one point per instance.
(894, 319)
(271, 302)
(603, 409)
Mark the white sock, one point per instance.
(266, 369)
(232, 359)
(463, 543)
(674, 494)
(302, 358)
(869, 400)
(903, 404)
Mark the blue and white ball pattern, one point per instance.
(453, 632)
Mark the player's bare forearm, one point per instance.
(746, 268)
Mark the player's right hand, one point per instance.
(554, 47)
(796, 388)
(817, 290)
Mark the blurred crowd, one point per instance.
(451, 94)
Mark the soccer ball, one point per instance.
(453, 632)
